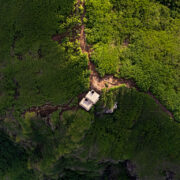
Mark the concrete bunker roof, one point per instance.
(92, 96)
(86, 104)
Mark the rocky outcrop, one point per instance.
(130, 167)
(169, 175)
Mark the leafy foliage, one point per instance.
(49, 144)
(145, 40)
(106, 59)
(138, 130)
(13, 159)
(136, 40)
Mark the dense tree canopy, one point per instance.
(144, 37)
(44, 72)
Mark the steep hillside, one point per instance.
(53, 52)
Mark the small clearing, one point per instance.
(108, 81)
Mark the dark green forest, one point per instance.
(44, 72)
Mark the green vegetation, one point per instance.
(106, 59)
(142, 41)
(138, 130)
(43, 74)
(40, 70)
(13, 160)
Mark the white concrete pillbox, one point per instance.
(90, 99)
(92, 96)
(86, 104)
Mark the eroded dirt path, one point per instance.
(96, 82)
(47, 109)
(108, 81)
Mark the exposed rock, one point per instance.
(169, 175)
(110, 111)
(131, 169)
(116, 169)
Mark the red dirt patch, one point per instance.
(59, 37)
(108, 81)
(82, 40)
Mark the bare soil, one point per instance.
(47, 109)
(108, 81)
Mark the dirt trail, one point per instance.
(96, 82)
(82, 39)
(108, 81)
(47, 109)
